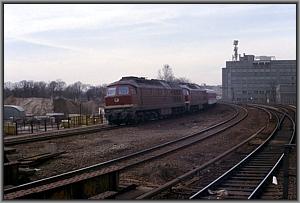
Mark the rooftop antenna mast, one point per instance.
(235, 49)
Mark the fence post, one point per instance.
(16, 128)
(68, 122)
(94, 119)
(31, 125)
(101, 118)
(45, 122)
(57, 123)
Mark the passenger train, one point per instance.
(134, 99)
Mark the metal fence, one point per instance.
(50, 124)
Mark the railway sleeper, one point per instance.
(238, 193)
(265, 156)
(274, 152)
(253, 168)
(246, 177)
(237, 197)
(259, 164)
(238, 185)
(264, 160)
(252, 173)
(243, 182)
(238, 189)
(258, 167)
(256, 170)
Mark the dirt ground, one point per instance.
(89, 149)
(163, 170)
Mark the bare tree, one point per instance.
(77, 87)
(52, 88)
(61, 85)
(166, 73)
(183, 80)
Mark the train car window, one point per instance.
(123, 90)
(111, 91)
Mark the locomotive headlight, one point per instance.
(116, 100)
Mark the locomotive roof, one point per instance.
(143, 82)
(210, 91)
(191, 86)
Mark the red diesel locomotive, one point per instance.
(134, 99)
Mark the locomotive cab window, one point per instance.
(111, 91)
(123, 90)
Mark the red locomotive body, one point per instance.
(195, 97)
(134, 99)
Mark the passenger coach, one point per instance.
(134, 99)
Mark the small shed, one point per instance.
(12, 112)
(57, 116)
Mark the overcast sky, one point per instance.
(100, 43)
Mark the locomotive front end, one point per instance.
(119, 103)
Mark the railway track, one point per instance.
(21, 139)
(187, 180)
(121, 163)
(247, 179)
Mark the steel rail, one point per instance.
(56, 134)
(96, 166)
(192, 172)
(21, 139)
(220, 178)
(263, 182)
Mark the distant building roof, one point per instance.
(19, 108)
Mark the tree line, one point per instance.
(76, 91)
(54, 89)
